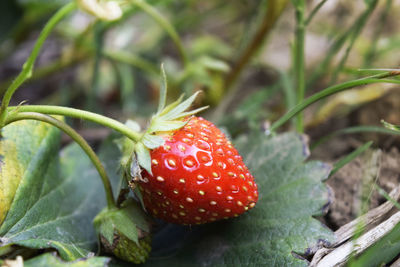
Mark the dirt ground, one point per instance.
(347, 184)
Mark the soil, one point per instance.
(348, 182)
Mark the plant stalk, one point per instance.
(77, 138)
(80, 114)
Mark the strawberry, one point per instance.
(197, 177)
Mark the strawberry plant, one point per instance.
(188, 185)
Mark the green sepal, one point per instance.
(125, 231)
(125, 220)
(192, 112)
(166, 126)
(152, 141)
(163, 91)
(126, 146)
(143, 157)
(177, 111)
(172, 105)
(106, 228)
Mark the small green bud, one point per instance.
(126, 249)
(125, 232)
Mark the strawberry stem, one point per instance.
(80, 114)
(77, 138)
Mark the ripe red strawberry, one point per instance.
(197, 177)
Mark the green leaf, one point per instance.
(143, 157)
(49, 259)
(27, 151)
(152, 141)
(291, 193)
(57, 198)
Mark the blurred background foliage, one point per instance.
(239, 54)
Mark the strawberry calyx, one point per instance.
(165, 121)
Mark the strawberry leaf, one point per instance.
(281, 224)
(49, 259)
(55, 199)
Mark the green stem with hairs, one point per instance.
(165, 24)
(13, 117)
(27, 68)
(80, 114)
(379, 78)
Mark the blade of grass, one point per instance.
(358, 27)
(379, 78)
(383, 193)
(314, 11)
(342, 162)
(336, 46)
